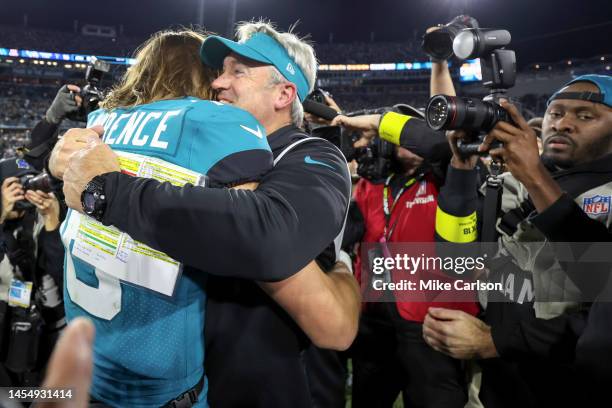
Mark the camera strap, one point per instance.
(19, 246)
(492, 206)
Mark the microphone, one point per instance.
(319, 109)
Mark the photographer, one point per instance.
(44, 135)
(389, 354)
(535, 323)
(31, 252)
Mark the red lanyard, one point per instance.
(388, 232)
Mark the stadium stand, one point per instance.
(27, 87)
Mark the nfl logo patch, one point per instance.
(597, 205)
(422, 188)
(22, 164)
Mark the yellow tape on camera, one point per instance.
(456, 229)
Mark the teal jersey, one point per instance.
(149, 346)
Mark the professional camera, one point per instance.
(90, 93)
(42, 182)
(29, 178)
(374, 161)
(438, 44)
(477, 117)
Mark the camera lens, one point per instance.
(437, 112)
(40, 182)
(439, 44)
(450, 113)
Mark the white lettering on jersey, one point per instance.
(108, 139)
(141, 141)
(100, 119)
(130, 128)
(253, 131)
(108, 121)
(103, 301)
(161, 128)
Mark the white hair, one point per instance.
(299, 49)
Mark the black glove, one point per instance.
(63, 104)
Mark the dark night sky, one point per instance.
(389, 20)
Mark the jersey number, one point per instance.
(103, 302)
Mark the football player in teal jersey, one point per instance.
(149, 345)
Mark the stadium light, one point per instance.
(201, 13)
(232, 18)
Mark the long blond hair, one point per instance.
(167, 66)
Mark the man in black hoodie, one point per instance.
(565, 197)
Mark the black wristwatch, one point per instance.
(93, 199)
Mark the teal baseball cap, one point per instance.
(603, 82)
(261, 48)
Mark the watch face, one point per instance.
(89, 202)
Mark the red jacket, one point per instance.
(414, 217)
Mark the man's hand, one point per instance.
(459, 161)
(458, 334)
(358, 123)
(66, 101)
(520, 148)
(47, 206)
(12, 192)
(83, 165)
(252, 185)
(366, 125)
(72, 141)
(521, 157)
(71, 364)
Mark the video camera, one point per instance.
(374, 161)
(90, 93)
(477, 117)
